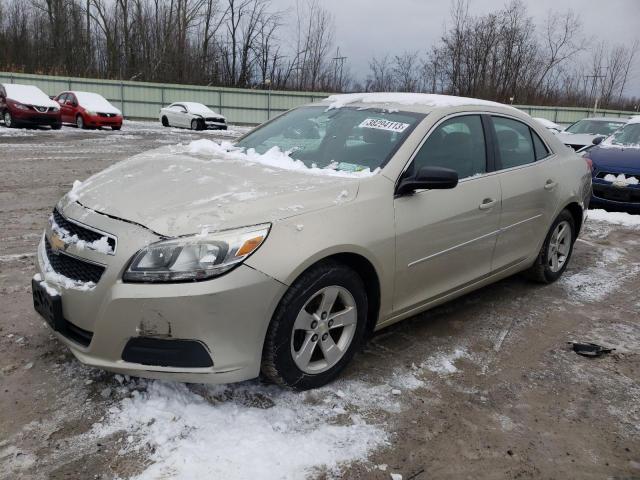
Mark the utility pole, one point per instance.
(338, 66)
(594, 87)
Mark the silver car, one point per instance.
(192, 115)
(583, 133)
(282, 253)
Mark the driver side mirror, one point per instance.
(431, 178)
(597, 140)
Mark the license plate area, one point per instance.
(47, 305)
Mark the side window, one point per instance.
(540, 148)
(514, 142)
(63, 98)
(457, 143)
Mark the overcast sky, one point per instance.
(365, 28)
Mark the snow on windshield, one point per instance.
(274, 157)
(429, 100)
(95, 102)
(198, 108)
(28, 94)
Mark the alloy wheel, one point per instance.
(80, 121)
(324, 329)
(8, 120)
(559, 246)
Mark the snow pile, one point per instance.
(423, 99)
(95, 103)
(618, 218)
(621, 179)
(239, 431)
(29, 95)
(101, 245)
(273, 157)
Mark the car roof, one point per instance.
(412, 102)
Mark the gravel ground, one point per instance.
(484, 387)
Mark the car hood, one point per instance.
(176, 193)
(576, 138)
(615, 159)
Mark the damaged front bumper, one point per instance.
(210, 331)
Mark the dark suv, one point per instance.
(24, 105)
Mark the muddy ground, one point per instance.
(484, 387)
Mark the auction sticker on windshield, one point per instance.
(382, 124)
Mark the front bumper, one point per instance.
(228, 315)
(100, 121)
(31, 117)
(608, 196)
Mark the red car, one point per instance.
(88, 110)
(24, 105)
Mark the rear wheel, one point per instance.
(8, 119)
(80, 122)
(317, 328)
(556, 251)
(165, 122)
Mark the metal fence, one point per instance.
(143, 100)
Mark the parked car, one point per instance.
(213, 263)
(88, 110)
(27, 105)
(582, 133)
(549, 125)
(195, 116)
(616, 170)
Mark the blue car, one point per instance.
(616, 170)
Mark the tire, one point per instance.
(196, 124)
(115, 128)
(544, 270)
(8, 119)
(223, 128)
(165, 122)
(56, 126)
(80, 122)
(302, 306)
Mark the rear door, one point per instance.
(529, 186)
(445, 238)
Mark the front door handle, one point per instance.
(487, 203)
(550, 185)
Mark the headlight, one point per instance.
(91, 113)
(20, 106)
(196, 257)
(54, 109)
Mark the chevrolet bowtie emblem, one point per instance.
(57, 243)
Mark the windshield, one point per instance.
(628, 136)
(346, 139)
(595, 127)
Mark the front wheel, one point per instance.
(556, 250)
(80, 122)
(196, 125)
(116, 127)
(317, 328)
(165, 122)
(8, 119)
(56, 126)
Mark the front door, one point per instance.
(445, 238)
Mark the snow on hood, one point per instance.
(577, 138)
(95, 103)
(425, 99)
(200, 109)
(181, 190)
(29, 95)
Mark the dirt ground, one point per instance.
(485, 387)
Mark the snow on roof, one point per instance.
(198, 108)
(95, 102)
(29, 95)
(423, 99)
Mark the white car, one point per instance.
(549, 125)
(195, 116)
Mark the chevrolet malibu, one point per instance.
(281, 253)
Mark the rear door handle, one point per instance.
(487, 203)
(550, 185)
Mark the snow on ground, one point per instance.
(251, 430)
(618, 218)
